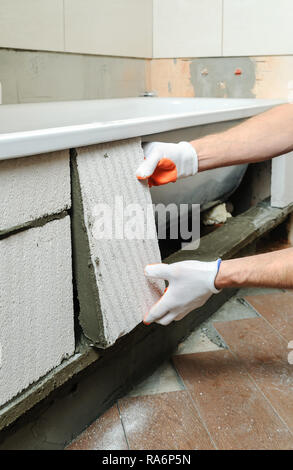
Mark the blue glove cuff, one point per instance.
(219, 263)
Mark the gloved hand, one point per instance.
(191, 283)
(165, 163)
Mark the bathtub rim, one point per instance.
(17, 144)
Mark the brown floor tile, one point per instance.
(277, 309)
(234, 410)
(265, 356)
(106, 433)
(163, 421)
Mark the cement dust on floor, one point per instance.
(228, 386)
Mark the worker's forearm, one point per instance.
(260, 138)
(265, 270)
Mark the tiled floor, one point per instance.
(228, 386)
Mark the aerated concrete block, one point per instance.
(114, 294)
(36, 306)
(33, 188)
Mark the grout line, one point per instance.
(179, 378)
(244, 302)
(222, 32)
(123, 427)
(197, 410)
(35, 223)
(153, 29)
(276, 331)
(64, 45)
(268, 323)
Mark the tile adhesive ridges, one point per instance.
(114, 294)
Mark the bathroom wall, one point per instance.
(34, 76)
(86, 49)
(52, 50)
(222, 48)
(149, 28)
(213, 28)
(222, 77)
(108, 27)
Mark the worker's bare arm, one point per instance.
(260, 138)
(265, 270)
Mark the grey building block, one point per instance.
(113, 292)
(33, 188)
(36, 305)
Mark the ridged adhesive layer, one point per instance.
(114, 275)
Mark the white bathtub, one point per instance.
(29, 129)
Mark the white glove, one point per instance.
(191, 283)
(165, 163)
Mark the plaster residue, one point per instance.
(137, 416)
(216, 215)
(222, 77)
(204, 77)
(34, 76)
(274, 77)
(169, 77)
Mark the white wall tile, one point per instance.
(109, 27)
(32, 24)
(257, 27)
(187, 28)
